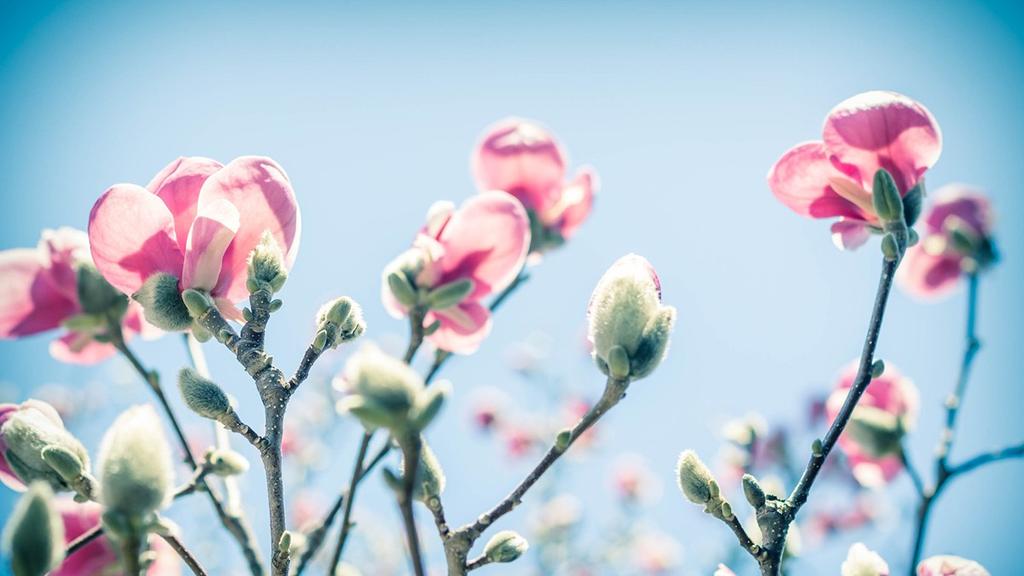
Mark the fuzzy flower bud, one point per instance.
(95, 295)
(430, 478)
(202, 395)
(695, 480)
(266, 266)
(135, 467)
(338, 321)
(225, 462)
(505, 546)
(753, 492)
(34, 535)
(863, 562)
(162, 304)
(628, 326)
(32, 440)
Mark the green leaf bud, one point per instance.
(885, 197)
(197, 302)
(33, 537)
(877, 368)
(912, 204)
(402, 289)
(450, 294)
(428, 404)
(266, 266)
(505, 546)
(162, 304)
(563, 439)
(753, 492)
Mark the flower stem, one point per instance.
(411, 448)
(186, 556)
(350, 495)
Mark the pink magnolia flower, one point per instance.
(485, 241)
(890, 392)
(39, 292)
(950, 566)
(832, 177)
(197, 221)
(933, 267)
(98, 556)
(860, 561)
(524, 159)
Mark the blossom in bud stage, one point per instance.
(695, 480)
(950, 566)
(835, 176)
(196, 222)
(266, 266)
(430, 479)
(202, 395)
(224, 462)
(629, 328)
(505, 546)
(34, 535)
(524, 159)
(459, 258)
(863, 562)
(31, 434)
(135, 468)
(892, 396)
(339, 321)
(55, 285)
(385, 392)
(956, 238)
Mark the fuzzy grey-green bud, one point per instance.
(338, 321)
(33, 428)
(695, 480)
(135, 467)
(383, 390)
(429, 403)
(96, 295)
(877, 368)
(450, 294)
(753, 492)
(402, 288)
(430, 478)
(202, 395)
(34, 535)
(197, 302)
(266, 266)
(224, 462)
(885, 197)
(654, 343)
(399, 277)
(162, 304)
(505, 546)
(563, 439)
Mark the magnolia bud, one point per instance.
(695, 480)
(284, 545)
(625, 311)
(430, 478)
(202, 396)
(428, 404)
(96, 295)
(753, 491)
(135, 467)
(338, 321)
(877, 432)
(912, 204)
(505, 546)
(34, 534)
(563, 439)
(29, 430)
(224, 462)
(162, 304)
(266, 266)
(877, 368)
(450, 294)
(383, 389)
(197, 302)
(863, 562)
(885, 197)
(891, 248)
(400, 277)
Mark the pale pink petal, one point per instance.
(849, 234)
(462, 329)
(926, 275)
(178, 185)
(94, 558)
(135, 323)
(872, 472)
(261, 192)
(229, 310)
(29, 300)
(576, 202)
(950, 566)
(801, 180)
(63, 249)
(77, 348)
(131, 234)
(522, 158)
(7, 476)
(966, 203)
(213, 229)
(486, 240)
(887, 130)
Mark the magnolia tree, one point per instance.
(205, 248)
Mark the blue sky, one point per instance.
(681, 107)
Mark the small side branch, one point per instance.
(186, 556)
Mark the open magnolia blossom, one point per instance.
(40, 292)
(459, 259)
(860, 561)
(950, 566)
(197, 221)
(524, 159)
(887, 410)
(98, 557)
(833, 177)
(956, 239)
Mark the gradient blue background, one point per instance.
(682, 108)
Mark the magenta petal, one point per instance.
(7, 476)
(964, 202)
(462, 328)
(29, 300)
(523, 159)
(577, 201)
(131, 234)
(849, 234)
(178, 185)
(928, 276)
(261, 192)
(883, 130)
(62, 250)
(486, 240)
(77, 348)
(213, 229)
(800, 180)
(98, 556)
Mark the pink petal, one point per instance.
(486, 240)
(928, 276)
(62, 250)
(178, 185)
(213, 229)
(93, 558)
(801, 181)
(523, 159)
(135, 323)
(849, 234)
(576, 202)
(261, 192)
(77, 348)
(872, 472)
(131, 234)
(7, 476)
(966, 203)
(462, 329)
(29, 301)
(887, 130)
(229, 310)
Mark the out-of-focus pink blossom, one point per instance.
(832, 177)
(932, 267)
(485, 241)
(197, 220)
(39, 292)
(890, 392)
(950, 566)
(518, 440)
(860, 561)
(655, 552)
(524, 159)
(632, 479)
(98, 557)
(723, 570)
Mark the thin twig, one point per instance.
(915, 476)
(346, 523)
(187, 557)
(83, 539)
(1015, 451)
(411, 449)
